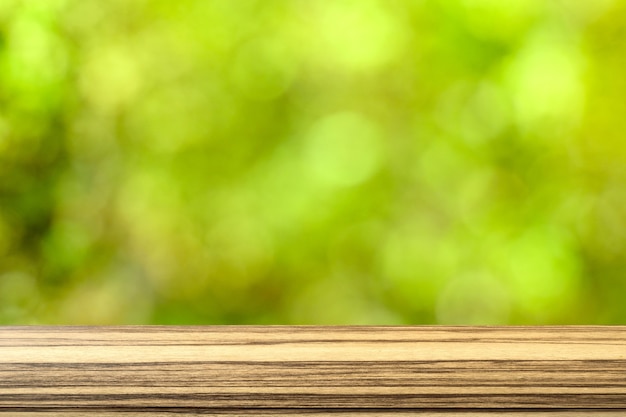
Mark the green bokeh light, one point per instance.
(312, 161)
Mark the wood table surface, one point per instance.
(313, 370)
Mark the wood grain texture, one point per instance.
(282, 370)
(314, 413)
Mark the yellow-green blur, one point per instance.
(312, 161)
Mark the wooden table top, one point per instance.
(295, 370)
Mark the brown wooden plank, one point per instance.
(317, 413)
(227, 369)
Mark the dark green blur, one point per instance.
(312, 161)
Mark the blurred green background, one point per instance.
(312, 161)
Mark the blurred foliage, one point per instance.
(312, 161)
